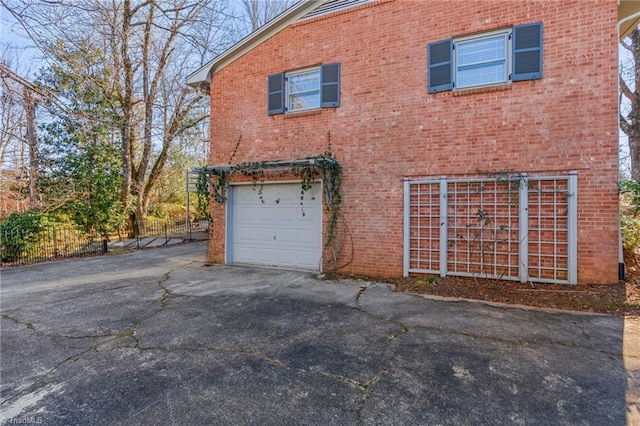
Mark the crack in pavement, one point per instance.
(361, 291)
(534, 342)
(366, 388)
(163, 301)
(27, 324)
(109, 338)
(582, 331)
(166, 293)
(75, 296)
(461, 332)
(94, 348)
(41, 377)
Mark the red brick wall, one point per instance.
(389, 127)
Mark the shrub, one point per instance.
(22, 233)
(630, 227)
(167, 211)
(630, 190)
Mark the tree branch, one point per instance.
(625, 125)
(626, 91)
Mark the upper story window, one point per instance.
(486, 59)
(303, 90)
(481, 61)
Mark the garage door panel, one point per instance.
(301, 238)
(250, 214)
(245, 233)
(308, 214)
(286, 257)
(284, 214)
(296, 258)
(261, 213)
(260, 256)
(282, 233)
(264, 234)
(303, 259)
(247, 196)
(306, 237)
(286, 235)
(308, 222)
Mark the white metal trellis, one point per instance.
(191, 186)
(516, 227)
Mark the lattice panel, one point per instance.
(520, 228)
(424, 217)
(548, 229)
(482, 236)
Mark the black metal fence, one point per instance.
(153, 232)
(18, 246)
(178, 228)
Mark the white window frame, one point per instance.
(507, 59)
(290, 93)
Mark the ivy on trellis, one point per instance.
(213, 181)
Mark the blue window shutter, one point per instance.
(527, 52)
(440, 64)
(330, 82)
(275, 94)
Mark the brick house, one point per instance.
(475, 138)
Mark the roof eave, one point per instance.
(202, 76)
(628, 17)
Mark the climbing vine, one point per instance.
(202, 186)
(212, 181)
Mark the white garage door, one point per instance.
(278, 232)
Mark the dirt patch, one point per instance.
(616, 299)
(622, 298)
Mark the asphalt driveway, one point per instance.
(156, 337)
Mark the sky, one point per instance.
(21, 47)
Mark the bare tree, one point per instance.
(21, 127)
(259, 12)
(630, 110)
(12, 119)
(12, 139)
(134, 55)
(32, 142)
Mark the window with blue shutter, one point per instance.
(527, 52)
(330, 93)
(306, 89)
(440, 60)
(275, 90)
(491, 58)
